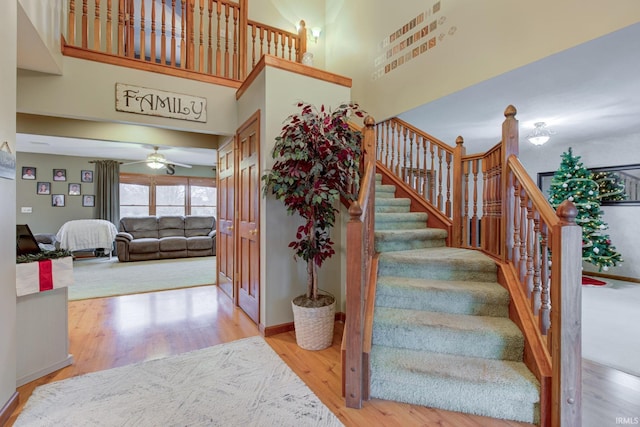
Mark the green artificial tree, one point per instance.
(610, 186)
(573, 182)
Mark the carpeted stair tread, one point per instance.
(385, 191)
(400, 221)
(493, 388)
(478, 336)
(401, 240)
(461, 297)
(438, 263)
(392, 205)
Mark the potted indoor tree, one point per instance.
(317, 157)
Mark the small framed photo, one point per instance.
(44, 188)
(59, 174)
(86, 176)
(74, 189)
(28, 172)
(57, 200)
(89, 200)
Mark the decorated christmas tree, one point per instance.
(610, 186)
(573, 182)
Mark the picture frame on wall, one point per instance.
(86, 176)
(43, 188)
(59, 174)
(88, 200)
(74, 189)
(57, 200)
(28, 172)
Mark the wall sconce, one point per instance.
(540, 134)
(315, 33)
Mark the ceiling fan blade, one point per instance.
(169, 162)
(133, 163)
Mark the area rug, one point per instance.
(242, 383)
(104, 277)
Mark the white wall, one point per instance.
(275, 92)
(8, 19)
(474, 42)
(624, 228)
(287, 14)
(39, 30)
(86, 91)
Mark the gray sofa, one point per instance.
(150, 237)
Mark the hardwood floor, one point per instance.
(110, 332)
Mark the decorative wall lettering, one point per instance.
(154, 102)
(418, 36)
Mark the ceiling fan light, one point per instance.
(155, 165)
(155, 160)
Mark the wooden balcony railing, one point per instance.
(210, 37)
(492, 205)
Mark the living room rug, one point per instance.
(104, 277)
(242, 383)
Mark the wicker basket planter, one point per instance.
(314, 326)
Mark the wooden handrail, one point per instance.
(546, 212)
(211, 37)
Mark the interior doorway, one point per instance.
(239, 217)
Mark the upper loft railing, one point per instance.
(209, 37)
(489, 203)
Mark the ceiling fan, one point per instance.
(156, 160)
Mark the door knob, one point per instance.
(230, 228)
(253, 232)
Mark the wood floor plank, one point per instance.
(110, 332)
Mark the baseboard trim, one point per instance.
(44, 371)
(611, 276)
(8, 408)
(276, 329)
(288, 327)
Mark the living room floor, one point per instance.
(117, 331)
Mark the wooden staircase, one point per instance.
(500, 234)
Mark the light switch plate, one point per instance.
(26, 209)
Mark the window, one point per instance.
(142, 195)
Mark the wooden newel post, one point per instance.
(566, 323)
(458, 193)
(369, 141)
(353, 369)
(302, 34)
(509, 147)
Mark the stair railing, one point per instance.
(360, 251)
(494, 206)
(210, 37)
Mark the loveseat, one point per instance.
(150, 237)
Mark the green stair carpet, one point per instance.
(441, 333)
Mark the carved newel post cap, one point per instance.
(369, 121)
(459, 140)
(567, 212)
(355, 210)
(510, 111)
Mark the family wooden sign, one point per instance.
(154, 102)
